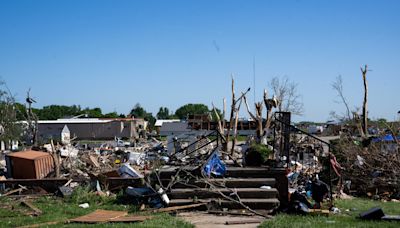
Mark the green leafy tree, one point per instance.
(21, 110)
(93, 113)
(111, 115)
(187, 109)
(139, 112)
(53, 112)
(9, 128)
(163, 113)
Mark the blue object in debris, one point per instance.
(214, 166)
(386, 138)
(143, 195)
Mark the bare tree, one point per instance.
(233, 120)
(365, 101)
(257, 117)
(233, 108)
(270, 103)
(32, 119)
(289, 100)
(337, 85)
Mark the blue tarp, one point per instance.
(214, 166)
(386, 138)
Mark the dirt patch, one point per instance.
(205, 220)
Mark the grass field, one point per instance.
(344, 219)
(60, 210)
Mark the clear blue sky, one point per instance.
(114, 54)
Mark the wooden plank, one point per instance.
(36, 210)
(99, 216)
(132, 218)
(241, 222)
(230, 213)
(318, 212)
(13, 191)
(175, 208)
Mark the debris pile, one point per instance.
(369, 169)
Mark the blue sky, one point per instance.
(114, 54)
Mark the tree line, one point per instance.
(53, 112)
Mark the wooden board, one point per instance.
(131, 218)
(99, 216)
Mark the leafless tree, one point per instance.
(289, 100)
(337, 85)
(32, 119)
(365, 101)
(269, 103)
(257, 117)
(233, 120)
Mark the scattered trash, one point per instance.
(127, 171)
(145, 196)
(214, 166)
(84, 205)
(335, 210)
(164, 196)
(65, 191)
(266, 187)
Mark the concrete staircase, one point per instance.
(245, 182)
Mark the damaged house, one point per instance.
(92, 128)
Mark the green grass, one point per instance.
(59, 209)
(344, 219)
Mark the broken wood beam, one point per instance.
(13, 191)
(241, 222)
(175, 208)
(230, 213)
(36, 210)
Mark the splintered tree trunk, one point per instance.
(257, 117)
(365, 102)
(235, 132)
(228, 132)
(259, 120)
(269, 105)
(56, 159)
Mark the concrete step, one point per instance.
(227, 182)
(234, 172)
(256, 204)
(203, 193)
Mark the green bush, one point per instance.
(257, 154)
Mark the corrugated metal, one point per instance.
(31, 164)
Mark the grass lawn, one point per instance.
(58, 209)
(344, 219)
